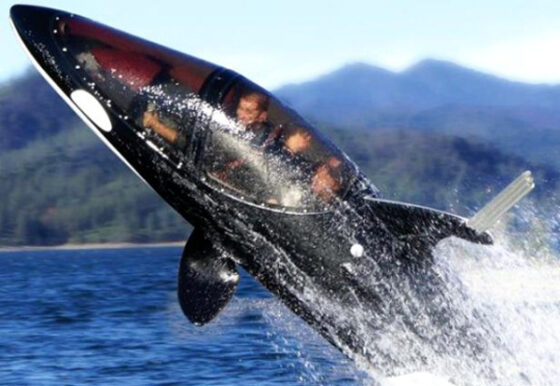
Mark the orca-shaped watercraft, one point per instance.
(261, 187)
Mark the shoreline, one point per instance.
(71, 247)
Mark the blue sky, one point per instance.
(278, 42)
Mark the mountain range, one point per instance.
(437, 97)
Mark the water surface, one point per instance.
(111, 317)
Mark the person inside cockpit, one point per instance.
(252, 109)
(152, 120)
(323, 175)
(298, 162)
(252, 114)
(326, 180)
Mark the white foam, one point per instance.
(417, 379)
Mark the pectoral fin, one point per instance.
(207, 279)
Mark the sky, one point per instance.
(278, 42)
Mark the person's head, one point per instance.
(298, 141)
(252, 108)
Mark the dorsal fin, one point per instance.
(413, 221)
(207, 278)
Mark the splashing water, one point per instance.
(510, 292)
(516, 284)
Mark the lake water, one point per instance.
(110, 316)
